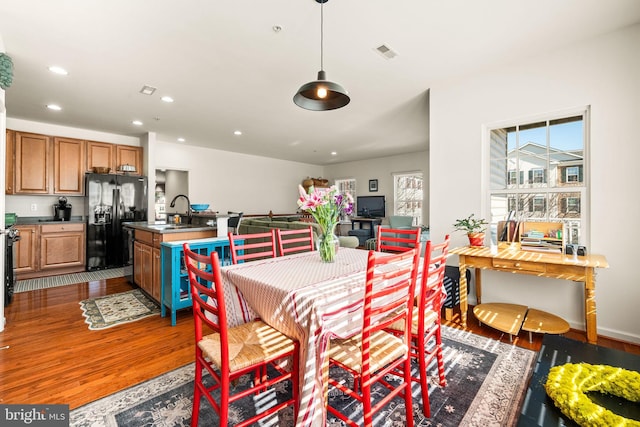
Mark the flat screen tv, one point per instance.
(370, 206)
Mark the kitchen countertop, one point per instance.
(35, 220)
(166, 228)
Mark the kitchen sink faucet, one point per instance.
(189, 213)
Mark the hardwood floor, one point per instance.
(52, 356)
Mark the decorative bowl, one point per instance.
(199, 207)
(101, 169)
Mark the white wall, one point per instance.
(602, 73)
(383, 169)
(236, 182)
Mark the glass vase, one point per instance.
(328, 245)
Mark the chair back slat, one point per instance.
(431, 283)
(294, 241)
(250, 247)
(207, 294)
(397, 240)
(389, 289)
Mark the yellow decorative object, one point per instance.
(567, 384)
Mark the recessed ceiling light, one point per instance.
(167, 99)
(147, 90)
(333, 153)
(137, 122)
(237, 132)
(58, 70)
(181, 140)
(54, 107)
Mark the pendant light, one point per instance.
(321, 95)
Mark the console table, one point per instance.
(371, 221)
(557, 266)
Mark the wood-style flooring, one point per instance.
(49, 356)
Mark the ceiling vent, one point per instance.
(147, 90)
(386, 51)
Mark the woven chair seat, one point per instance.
(430, 317)
(249, 344)
(385, 348)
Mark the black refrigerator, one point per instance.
(111, 201)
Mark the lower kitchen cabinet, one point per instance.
(175, 292)
(25, 250)
(147, 262)
(45, 250)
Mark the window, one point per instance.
(408, 195)
(548, 157)
(573, 174)
(346, 186)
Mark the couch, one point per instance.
(264, 224)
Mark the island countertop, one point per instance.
(167, 228)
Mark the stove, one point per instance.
(12, 235)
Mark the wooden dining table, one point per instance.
(306, 299)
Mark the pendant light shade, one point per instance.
(321, 94)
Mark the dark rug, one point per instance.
(485, 384)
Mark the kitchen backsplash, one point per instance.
(23, 205)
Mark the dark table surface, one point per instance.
(538, 408)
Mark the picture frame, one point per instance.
(373, 185)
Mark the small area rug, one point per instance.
(66, 279)
(486, 380)
(111, 310)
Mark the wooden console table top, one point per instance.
(557, 266)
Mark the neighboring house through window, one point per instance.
(408, 195)
(549, 157)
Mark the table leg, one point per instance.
(590, 306)
(479, 286)
(463, 290)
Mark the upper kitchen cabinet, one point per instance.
(127, 155)
(32, 164)
(9, 162)
(68, 165)
(101, 154)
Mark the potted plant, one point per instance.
(474, 227)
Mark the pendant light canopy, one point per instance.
(321, 94)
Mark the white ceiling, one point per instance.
(227, 69)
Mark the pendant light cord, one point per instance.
(322, 35)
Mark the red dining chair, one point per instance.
(397, 239)
(294, 241)
(250, 247)
(227, 353)
(426, 331)
(372, 354)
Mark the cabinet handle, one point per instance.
(517, 264)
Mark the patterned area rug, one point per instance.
(67, 279)
(486, 380)
(111, 310)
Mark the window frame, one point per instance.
(397, 201)
(509, 195)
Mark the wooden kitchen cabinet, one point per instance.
(144, 273)
(26, 249)
(9, 173)
(147, 256)
(156, 278)
(32, 163)
(62, 247)
(129, 155)
(101, 154)
(50, 249)
(68, 166)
